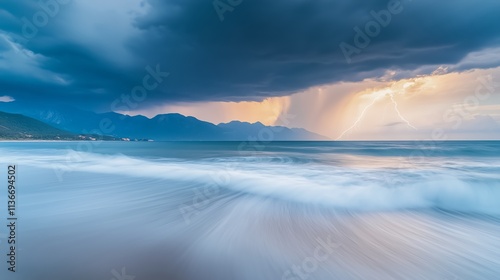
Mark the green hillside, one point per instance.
(14, 126)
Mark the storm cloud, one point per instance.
(91, 53)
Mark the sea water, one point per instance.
(248, 210)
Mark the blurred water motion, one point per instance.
(381, 210)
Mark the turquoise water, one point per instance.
(250, 210)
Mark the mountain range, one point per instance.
(15, 126)
(71, 122)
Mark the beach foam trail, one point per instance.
(279, 215)
(469, 187)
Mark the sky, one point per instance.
(349, 70)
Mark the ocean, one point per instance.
(253, 210)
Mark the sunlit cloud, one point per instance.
(393, 110)
(267, 111)
(382, 109)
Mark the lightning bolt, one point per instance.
(359, 118)
(383, 94)
(399, 113)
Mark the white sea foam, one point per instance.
(114, 211)
(346, 187)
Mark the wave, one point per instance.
(344, 187)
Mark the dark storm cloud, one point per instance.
(260, 49)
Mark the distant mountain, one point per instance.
(165, 127)
(15, 126)
(237, 130)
